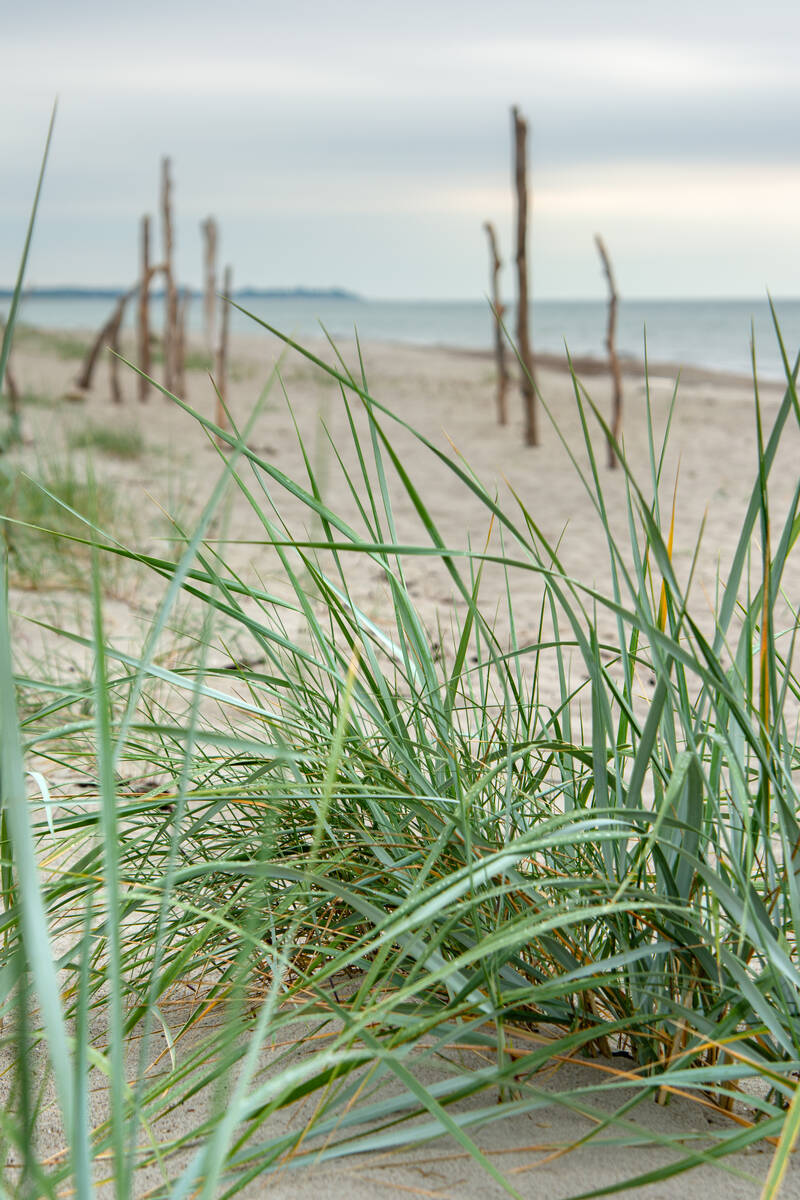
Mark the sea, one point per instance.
(712, 333)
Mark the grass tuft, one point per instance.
(38, 515)
(118, 441)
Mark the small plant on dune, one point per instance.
(38, 400)
(39, 514)
(60, 343)
(63, 345)
(118, 441)
(33, 400)
(199, 360)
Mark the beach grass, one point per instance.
(31, 399)
(443, 882)
(43, 529)
(60, 343)
(118, 441)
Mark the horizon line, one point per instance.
(112, 291)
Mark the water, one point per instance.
(704, 333)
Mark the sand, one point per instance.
(448, 396)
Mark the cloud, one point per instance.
(303, 125)
(645, 191)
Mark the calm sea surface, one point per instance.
(706, 333)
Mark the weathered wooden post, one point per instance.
(611, 347)
(113, 345)
(170, 290)
(499, 336)
(143, 311)
(209, 231)
(221, 369)
(180, 342)
(527, 382)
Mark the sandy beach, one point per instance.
(448, 396)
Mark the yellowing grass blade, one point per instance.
(780, 1159)
(662, 605)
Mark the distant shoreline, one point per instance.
(71, 292)
(245, 293)
(710, 336)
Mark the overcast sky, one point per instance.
(363, 144)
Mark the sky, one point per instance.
(363, 145)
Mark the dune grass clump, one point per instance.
(59, 343)
(38, 516)
(118, 441)
(31, 399)
(63, 345)
(198, 360)
(377, 888)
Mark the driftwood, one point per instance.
(209, 231)
(613, 361)
(221, 366)
(109, 335)
(143, 314)
(527, 382)
(170, 290)
(113, 345)
(499, 336)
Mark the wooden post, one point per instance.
(527, 382)
(222, 353)
(143, 312)
(114, 346)
(613, 361)
(180, 342)
(499, 336)
(209, 231)
(170, 290)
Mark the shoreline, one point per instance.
(632, 368)
(709, 336)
